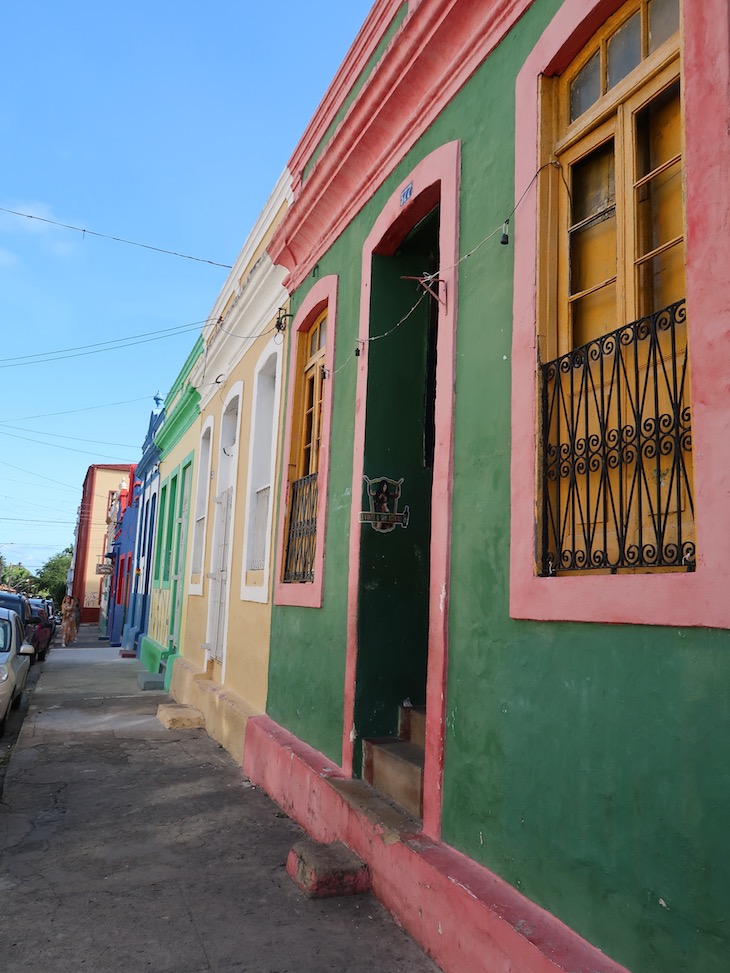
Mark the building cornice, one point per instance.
(247, 318)
(178, 421)
(434, 52)
(235, 282)
(362, 49)
(183, 374)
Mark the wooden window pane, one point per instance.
(663, 21)
(592, 245)
(307, 424)
(593, 253)
(658, 131)
(322, 333)
(586, 87)
(318, 421)
(593, 183)
(659, 203)
(309, 392)
(659, 210)
(661, 279)
(624, 50)
(594, 314)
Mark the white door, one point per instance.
(219, 576)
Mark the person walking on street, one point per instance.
(69, 625)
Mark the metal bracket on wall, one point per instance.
(427, 279)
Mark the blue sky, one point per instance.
(162, 123)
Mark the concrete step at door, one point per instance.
(395, 768)
(412, 724)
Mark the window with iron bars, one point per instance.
(301, 533)
(616, 451)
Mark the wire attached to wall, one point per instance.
(427, 279)
(363, 342)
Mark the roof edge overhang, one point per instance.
(434, 52)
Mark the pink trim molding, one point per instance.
(466, 917)
(363, 47)
(699, 598)
(435, 181)
(322, 294)
(432, 55)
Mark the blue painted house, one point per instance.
(123, 519)
(145, 491)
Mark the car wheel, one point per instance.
(16, 700)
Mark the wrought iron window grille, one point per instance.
(617, 488)
(302, 533)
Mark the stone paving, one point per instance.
(126, 847)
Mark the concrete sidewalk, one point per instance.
(128, 847)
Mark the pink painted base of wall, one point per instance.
(463, 915)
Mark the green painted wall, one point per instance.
(586, 764)
(151, 654)
(307, 658)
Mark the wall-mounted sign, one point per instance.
(383, 497)
(105, 569)
(406, 194)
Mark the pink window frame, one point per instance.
(687, 599)
(322, 294)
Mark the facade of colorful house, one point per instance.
(121, 537)
(223, 666)
(101, 484)
(146, 488)
(501, 525)
(176, 439)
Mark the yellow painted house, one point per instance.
(222, 669)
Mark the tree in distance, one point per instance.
(52, 576)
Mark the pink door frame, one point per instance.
(434, 181)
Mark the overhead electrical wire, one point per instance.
(30, 503)
(68, 412)
(428, 278)
(78, 439)
(152, 336)
(66, 486)
(162, 332)
(32, 520)
(116, 239)
(113, 345)
(23, 544)
(69, 449)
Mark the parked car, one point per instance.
(18, 603)
(15, 656)
(45, 628)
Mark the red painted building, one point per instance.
(102, 483)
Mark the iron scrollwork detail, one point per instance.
(616, 450)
